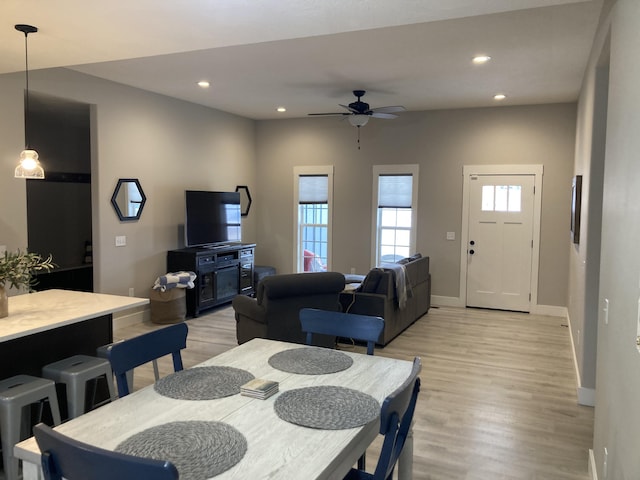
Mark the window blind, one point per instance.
(313, 189)
(394, 191)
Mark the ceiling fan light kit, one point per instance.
(359, 112)
(358, 120)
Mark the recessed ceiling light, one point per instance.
(281, 109)
(203, 84)
(499, 96)
(480, 59)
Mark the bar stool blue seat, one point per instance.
(16, 393)
(74, 372)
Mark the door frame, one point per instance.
(468, 170)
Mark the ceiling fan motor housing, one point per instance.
(360, 107)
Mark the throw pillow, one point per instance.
(371, 281)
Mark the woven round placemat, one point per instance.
(327, 407)
(203, 383)
(199, 450)
(310, 361)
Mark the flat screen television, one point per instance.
(212, 218)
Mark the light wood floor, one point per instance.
(498, 397)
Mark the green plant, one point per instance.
(17, 268)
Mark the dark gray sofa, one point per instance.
(377, 296)
(274, 312)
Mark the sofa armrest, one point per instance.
(248, 307)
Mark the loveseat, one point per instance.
(274, 312)
(380, 294)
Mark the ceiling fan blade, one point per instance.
(389, 109)
(333, 113)
(383, 115)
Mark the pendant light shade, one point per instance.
(29, 166)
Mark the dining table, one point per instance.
(322, 418)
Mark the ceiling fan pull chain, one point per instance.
(358, 137)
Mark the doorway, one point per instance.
(500, 236)
(59, 209)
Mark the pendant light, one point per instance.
(29, 166)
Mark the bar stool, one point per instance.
(16, 393)
(74, 372)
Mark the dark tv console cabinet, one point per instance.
(222, 272)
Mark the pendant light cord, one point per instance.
(26, 70)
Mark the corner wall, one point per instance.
(617, 411)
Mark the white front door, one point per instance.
(500, 241)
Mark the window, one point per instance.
(395, 205)
(501, 198)
(313, 187)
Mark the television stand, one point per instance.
(222, 272)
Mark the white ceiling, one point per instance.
(308, 55)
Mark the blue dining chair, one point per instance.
(396, 416)
(65, 457)
(136, 351)
(348, 325)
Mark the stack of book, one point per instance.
(259, 388)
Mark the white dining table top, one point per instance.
(41, 311)
(276, 449)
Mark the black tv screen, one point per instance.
(212, 218)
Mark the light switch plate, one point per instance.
(121, 240)
(451, 235)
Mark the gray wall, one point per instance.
(170, 145)
(441, 142)
(617, 413)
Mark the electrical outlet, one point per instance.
(606, 311)
(353, 270)
(121, 241)
(3, 249)
(131, 292)
(605, 458)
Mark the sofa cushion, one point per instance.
(371, 281)
(410, 259)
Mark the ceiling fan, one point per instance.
(358, 112)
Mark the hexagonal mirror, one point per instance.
(128, 199)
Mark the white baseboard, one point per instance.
(131, 317)
(593, 472)
(551, 310)
(586, 396)
(441, 301)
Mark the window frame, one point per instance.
(381, 170)
(326, 170)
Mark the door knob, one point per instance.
(471, 252)
(472, 243)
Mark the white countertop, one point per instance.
(40, 311)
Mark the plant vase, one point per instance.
(4, 303)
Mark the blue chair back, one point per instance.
(136, 351)
(396, 416)
(348, 325)
(65, 457)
